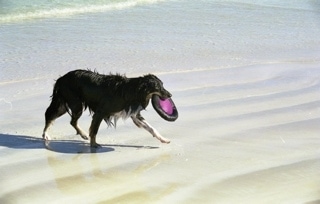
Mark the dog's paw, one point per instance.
(45, 136)
(95, 145)
(84, 137)
(164, 140)
(161, 139)
(83, 134)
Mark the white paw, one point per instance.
(45, 136)
(82, 133)
(164, 140)
(85, 137)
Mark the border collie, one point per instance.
(108, 97)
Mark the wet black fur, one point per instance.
(104, 95)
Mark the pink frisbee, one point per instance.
(165, 108)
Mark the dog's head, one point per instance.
(150, 85)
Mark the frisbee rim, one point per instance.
(156, 105)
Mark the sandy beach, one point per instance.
(246, 88)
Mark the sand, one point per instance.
(247, 132)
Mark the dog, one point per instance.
(108, 97)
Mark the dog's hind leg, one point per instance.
(94, 127)
(141, 122)
(55, 110)
(76, 112)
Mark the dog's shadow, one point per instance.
(60, 146)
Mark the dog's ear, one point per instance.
(150, 83)
(145, 87)
(136, 89)
(152, 78)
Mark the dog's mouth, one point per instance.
(165, 106)
(163, 94)
(163, 97)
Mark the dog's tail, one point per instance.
(55, 93)
(58, 97)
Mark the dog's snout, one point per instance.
(165, 94)
(168, 94)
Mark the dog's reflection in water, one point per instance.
(90, 174)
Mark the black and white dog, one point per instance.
(108, 97)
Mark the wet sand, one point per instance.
(247, 132)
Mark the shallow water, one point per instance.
(171, 35)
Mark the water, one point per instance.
(139, 36)
(20, 10)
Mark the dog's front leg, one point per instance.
(95, 124)
(141, 122)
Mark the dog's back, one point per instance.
(88, 87)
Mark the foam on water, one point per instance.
(294, 4)
(35, 9)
